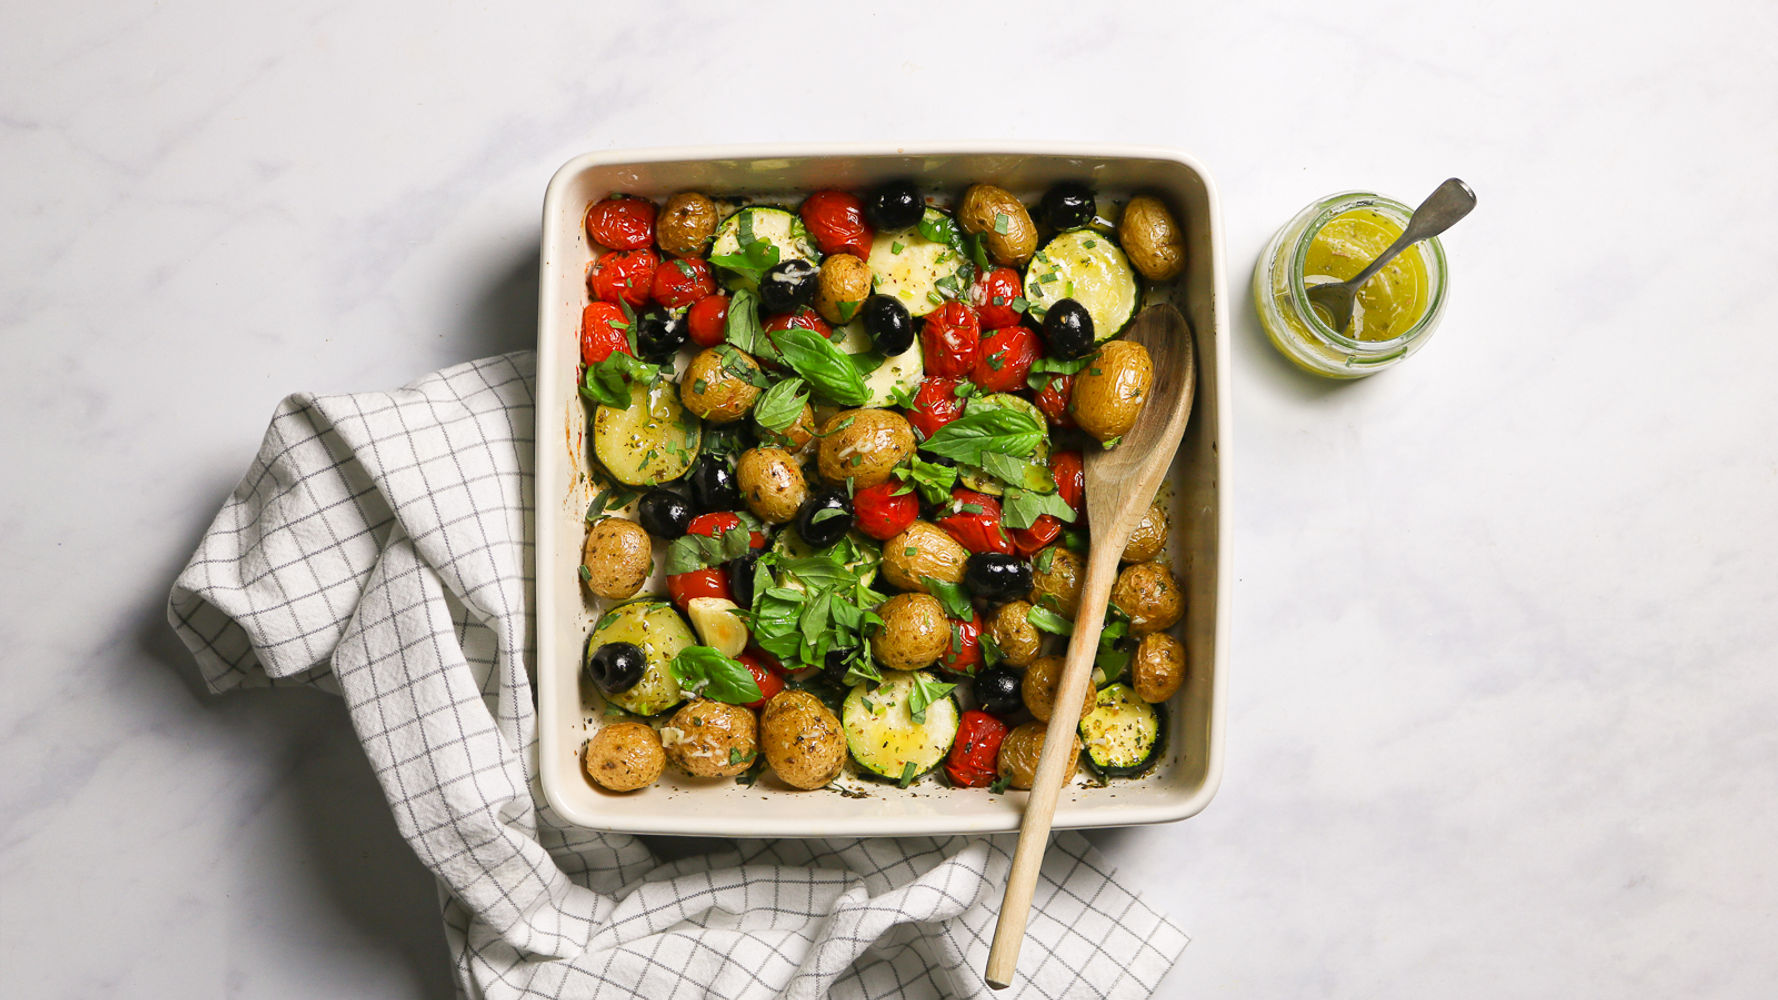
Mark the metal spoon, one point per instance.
(1440, 211)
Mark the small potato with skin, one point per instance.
(686, 224)
(1014, 634)
(842, 286)
(792, 438)
(923, 550)
(624, 756)
(864, 445)
(802, 740)
(711, 739)
(1110, 391)
(1021, 750)
(772, 483)
(712, 388)
(915, 632)
(1158, 667)
(1038, 688)
(1055, 582)
(617, 558)
(1151, 239)
(1150, 595)
(1150, 536)
(1002, 220)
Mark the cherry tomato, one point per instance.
(681, 281)
(1071, 479)
(771, 662)
(626, 275)
(935, 405)
(1053, 400)
(1030, 541)
(804, 317)
(964, 654)
(836, 220)
(719, 523)
(769, 683)
(993, 295)
(602, 328)
(880, 513)
(973, 755)
(1007, 357)
(973, 519)
(683, 588)
(951, 340)
(708, 320)
(621, 223)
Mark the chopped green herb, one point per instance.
(896, 247)
(1002, 222)
(907, 774)
(705, 672)
(1047, 620)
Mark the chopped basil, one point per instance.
(907, 774)
(705, 672)
(1049, 621)
(952, 596)
(927, 689)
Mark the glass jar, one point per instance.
(1280, 293)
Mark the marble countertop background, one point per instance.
(1505, 666)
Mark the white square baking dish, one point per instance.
(568, 713)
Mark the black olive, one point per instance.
(1068, 330)
(740, 577)
(890, 327)
(617, 667)
(995, 576)
(895, 205)
(659, 334)
(1068, 205)
(663, 514)
(997, 690)
(787, 286)
(713, 485)
(820, 528)
(836, 663)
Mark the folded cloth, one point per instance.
(380, 547)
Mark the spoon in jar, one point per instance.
(1451, 201)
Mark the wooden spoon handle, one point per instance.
(1052, 765)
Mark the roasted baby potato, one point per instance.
(1110, 390)
(1158, 667)
(1002, 220)
(772, 483)
(1055, 580)
(802, 740)
(686, 224)
(923, 550)
(711, 739)
(1038, 688)
(1151, 239)
(1022, 748)
(721, 384)
(914, 634)
(624, 756)
(1014, 634)
(1150, 536)
(864, 445)
(1150, 595)
(617, 558)
(843, 285)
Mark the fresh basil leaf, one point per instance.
(932, 480)
(1047, 620)
(827, 369)
(779, 407)
(939, 228)
(1021, 508)
(998, 430)
(1019, 473)
(742, 326)
(927, 689)
(705, 672)
(952, 596)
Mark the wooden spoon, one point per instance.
(1120, 484)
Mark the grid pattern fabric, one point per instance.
(380, 547)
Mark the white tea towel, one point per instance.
(380, 546)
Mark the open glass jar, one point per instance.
(1347, 230)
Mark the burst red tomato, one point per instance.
(993, 295)
(935, 405)
(1053, 400)
(964, 654)
(602, 328)
(719, 523)
(804, 317)
(973, 519)
(707, 320)
(951, 340)
(679, 283)
(1030, 541)
(621, 223)
(836, 220)
(623, 275)
(686, 587)
(974, 754)
(1007, 357)
(1071, 479)
(770, 684)
(881, 513)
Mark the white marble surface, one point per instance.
(1506, 620)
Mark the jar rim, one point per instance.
(1325, 210)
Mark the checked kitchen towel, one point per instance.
(379, 546)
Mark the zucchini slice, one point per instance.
(1122, 734)
(921, 272)
(905, 371)
(763, 224)
(1089, 267)
(653, 441)
(658, 629)
(884, 738)
(1039, 457)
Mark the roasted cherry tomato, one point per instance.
(1007, 357)
(621, 223)
(1071, 479)
(708, 320)
(721, 522)
(973, 519)
(685, 587)
(602, 328)
(935, 405)
(626, 275)
(1030, 541)
(964, 653)
(836, 220)
(881, 513)
(681, 281)
(804, 317)
(993, 295)
(771, 662)
(975, 752)
(769, 683)
(1053, 399)
(951, 340)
